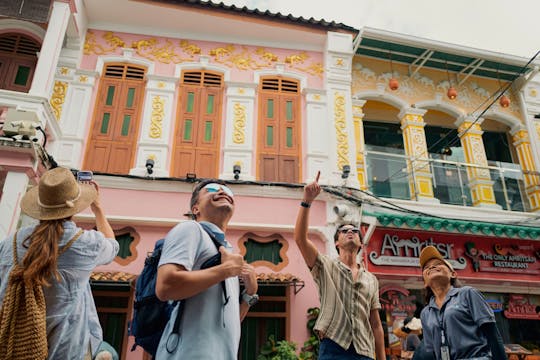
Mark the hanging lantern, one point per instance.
(451, 93)
(393, 84)
(504, 101)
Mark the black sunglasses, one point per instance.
(346, 230)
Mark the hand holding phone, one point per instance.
(84, 176)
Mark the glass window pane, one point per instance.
(210, 104)
(124, 241)
(188, 125)
(130, 97)
(289, 109)
(289, 137)
(190, 101)
(125, 125)
(269, 135)
(110, 95)
(23, 72)
(105, 123)
(208, 131)
(270, 108)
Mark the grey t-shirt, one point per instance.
(463, 312)
(209, 330)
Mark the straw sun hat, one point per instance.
(57, 196)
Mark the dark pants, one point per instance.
(329, 350)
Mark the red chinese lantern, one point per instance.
(504, 101)
(393, 84)
(452, 93)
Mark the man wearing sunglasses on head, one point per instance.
(213, 306)
(348, 325)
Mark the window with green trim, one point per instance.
(124, 241)
(259, 251)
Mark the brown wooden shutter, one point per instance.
(197, 135)
(113, 140)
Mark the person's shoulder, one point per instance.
(186, 226)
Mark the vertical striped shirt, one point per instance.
(346, 304)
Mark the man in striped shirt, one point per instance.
(348, 325)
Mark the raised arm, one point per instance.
(308, 250)
(102, 224)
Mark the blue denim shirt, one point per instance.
(72, 321)
(463, 312)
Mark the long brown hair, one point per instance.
(41, 258)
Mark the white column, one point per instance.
(10, 203)
(238, 147)
(75, 116)
(338, 62)
(317, 129)
(157, 127)
(50, 50)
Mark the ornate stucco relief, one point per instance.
(427, 84)
(171, 51)
(239, 124)
(341, 130)
(156, 119)
(58, 97)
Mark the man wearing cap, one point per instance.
(348, 325)
(210, 327)
(457, 322)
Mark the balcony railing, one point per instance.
(390, 173)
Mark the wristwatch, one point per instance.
(250, 299)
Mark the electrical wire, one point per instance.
(343, 192)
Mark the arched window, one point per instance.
(279, 130)
(113, 138)
(18, 59)
(197, 135)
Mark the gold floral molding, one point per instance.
(58, 97)
(166, 53)
(239, 124)
(156, 119)
(242, 58)
(341, 134)
(92, 47)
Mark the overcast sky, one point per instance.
(508, 26)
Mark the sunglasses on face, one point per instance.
(346, 230)
(214, 188)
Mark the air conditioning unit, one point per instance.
(20, 124)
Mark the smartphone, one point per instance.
(84, 176)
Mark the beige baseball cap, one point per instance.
(431, 252)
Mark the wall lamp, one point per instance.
(346, 170)
(150, 166)
(237, 169)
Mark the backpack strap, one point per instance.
(60, 252)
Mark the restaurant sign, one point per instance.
(391, 248)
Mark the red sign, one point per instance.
(520, 307)
(394, 251)
(396, 299)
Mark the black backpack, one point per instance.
(150, 315)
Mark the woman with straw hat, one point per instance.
(59, 257)
(457, 322)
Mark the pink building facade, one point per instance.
(154, 95)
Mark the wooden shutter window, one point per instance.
(121, 71)
(196, 147)
(280, 85)
(19, 44)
